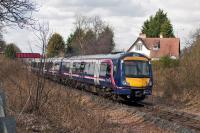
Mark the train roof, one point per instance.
(98, 56)
(54, 59)
(48, 59)
(105, 56)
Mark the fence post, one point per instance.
(7, 124)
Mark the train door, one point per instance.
(71, 67)
(82, 68)
(96, 72)
(105, 74)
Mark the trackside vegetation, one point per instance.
(166, 62)
(11, 50)
(178, 80)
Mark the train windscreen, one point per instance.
(136, 69)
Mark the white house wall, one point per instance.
(144, 50)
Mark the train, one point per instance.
(125, 75)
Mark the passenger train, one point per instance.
(128, 75)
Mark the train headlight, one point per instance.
(150, 83)
(125, 83)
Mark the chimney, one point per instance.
(142, 35)
(161, 35)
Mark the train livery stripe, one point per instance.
(86, 77)
(135, 58)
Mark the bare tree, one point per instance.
(105, 41)
(43, 35)
(91, 36)
(16, 12)
(81, 24)
(97, 25)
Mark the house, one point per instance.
(155, 48)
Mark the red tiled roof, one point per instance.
(168, 46)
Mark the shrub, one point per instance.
(179, 79)
(167, 62)
(11, 50)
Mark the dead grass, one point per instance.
(62, 109)
(65, 109)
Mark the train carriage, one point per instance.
(128, 75)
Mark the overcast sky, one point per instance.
(125, 16)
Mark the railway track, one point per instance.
(165, 117)
(162, 116)
(180, 121)
(184, 119)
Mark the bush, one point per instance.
(179, 79)
(167, 62)
(11, 50)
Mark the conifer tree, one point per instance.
(158, 24)
(55, 45)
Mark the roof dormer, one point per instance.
(156, 46)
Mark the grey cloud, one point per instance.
(85, 3)
(125, 16)
(114, 7)
(127, 8)
(55, 15)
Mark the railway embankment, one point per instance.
(60, 109)
(63, 109)
(176, 82)
(70, 110)
(174, 106)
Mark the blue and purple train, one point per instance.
(128, 75)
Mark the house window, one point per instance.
(156, 46)
(139, 47)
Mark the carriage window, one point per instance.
(33, 64)
(114, 70)
(82, 66)
(66, 66)
(57, 66)
(42, 65)
(87, 65)
(37, 65)
(76, 67)
(48, 65)
(89, 69)
(104, 70)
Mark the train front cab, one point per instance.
(136, 78)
